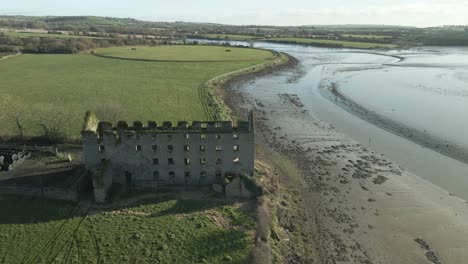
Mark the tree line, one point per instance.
(54, 45)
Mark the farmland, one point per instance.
(230, 36)
(190, 53)
(315, 41)
(60, 88)
(40, 35)
(152, 230)
(365, 36)
(340, 43)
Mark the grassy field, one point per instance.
(365, 36)
(344, 44)
(155, 230)
(63, 87)
(229, 37)
(187, 53)
(41, 35)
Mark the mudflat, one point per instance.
(366, 208)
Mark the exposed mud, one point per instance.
(353, 195)
(331, 91)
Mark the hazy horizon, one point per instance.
(276, 13)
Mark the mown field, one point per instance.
(58, 89)
(186, 53)
(154, 230)
(365, 36)
(344, 44)
(230, 36)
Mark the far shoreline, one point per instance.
(433, 143)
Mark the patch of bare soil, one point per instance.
(219, 220)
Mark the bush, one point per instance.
(9, 49)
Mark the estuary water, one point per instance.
(410, 105)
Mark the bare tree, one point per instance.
(14, 110)
(55, 124)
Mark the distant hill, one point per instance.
(92, 20)
(404, 36)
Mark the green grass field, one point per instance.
(344, 44)
(41, 35)
(155, 230)
(229, 37)
(366, 36)
(187, 53)
(63, 87)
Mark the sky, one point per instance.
(421, 13)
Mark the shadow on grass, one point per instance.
(25, 210)
(190, 206)
(227, 246)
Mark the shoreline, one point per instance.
(364, 207)
(334, 95)
(311, 44)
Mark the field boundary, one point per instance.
(316, 43)
(194, 61)
(9, 56)
(220, 110)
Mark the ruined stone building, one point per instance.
(148, 157)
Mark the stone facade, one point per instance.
(148, 157)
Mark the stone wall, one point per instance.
(147, 157)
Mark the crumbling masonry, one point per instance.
(148, 157)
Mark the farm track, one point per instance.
(65, 260)
(71, 236)
(9, 248)
(56, 234)
(96, 243)
(51, 242)
(79, 251)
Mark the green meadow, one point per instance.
(342, 43)
(310, 41)
(229, 37)
(366, 36)
(153, 230)
(41, 35)
(60, 88)
(187, 53)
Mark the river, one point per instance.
(410, 105)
